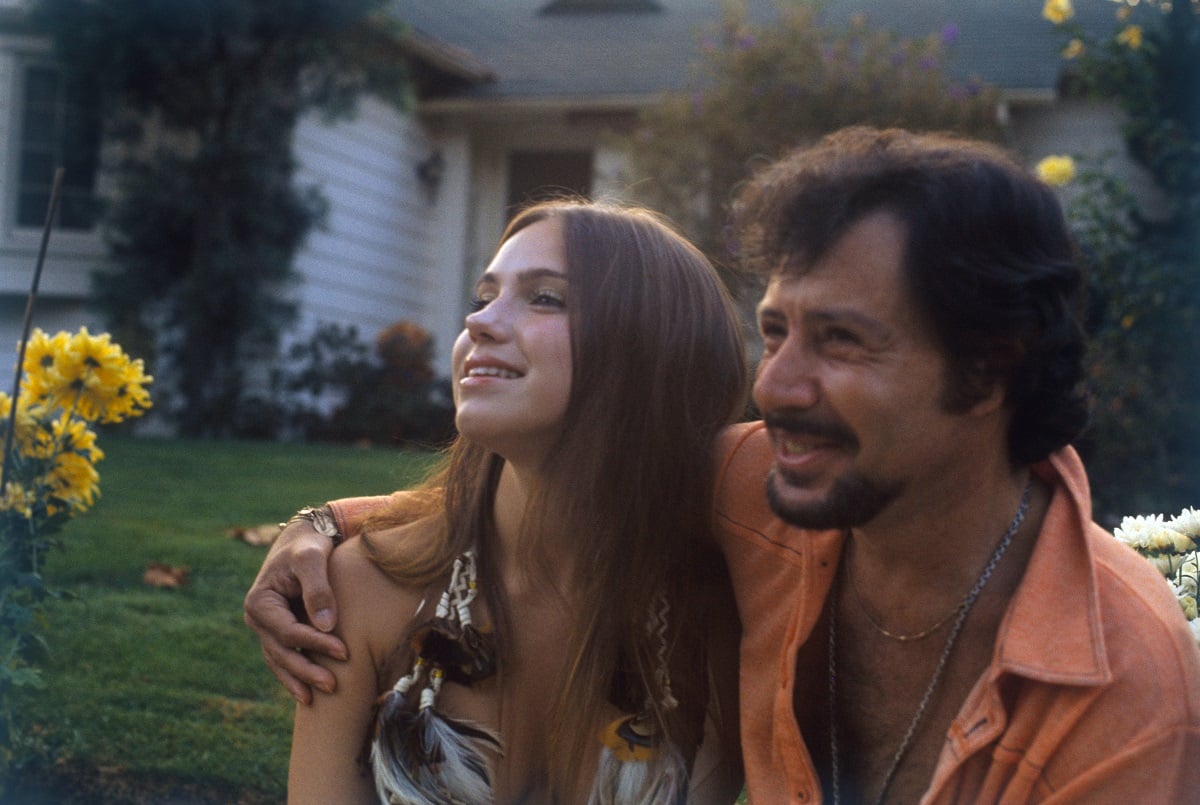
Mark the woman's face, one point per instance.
(512, 363)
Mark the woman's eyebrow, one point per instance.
(524, 275)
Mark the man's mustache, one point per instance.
(802, 424)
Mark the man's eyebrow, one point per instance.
(851, 315)
(833, 316)
(770, 313)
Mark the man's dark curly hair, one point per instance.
(989, 260)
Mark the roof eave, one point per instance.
(446, 58)
(511, 104)
(507, 105)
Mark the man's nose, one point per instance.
(787, 378)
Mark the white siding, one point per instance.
(369, 265)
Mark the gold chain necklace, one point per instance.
(879, 627)
(963, 610)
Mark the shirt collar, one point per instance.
(1053, 631)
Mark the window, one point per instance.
(56, 131)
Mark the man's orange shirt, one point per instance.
(1100, 672)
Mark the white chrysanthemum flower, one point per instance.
(1189, 576)
(1135, 531)
(1166, 563)
(1189, 607)
(1168, 540)
(1187, 522)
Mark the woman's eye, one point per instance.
(548, 298)
(479, 302)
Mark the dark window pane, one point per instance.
(37, 168)
(56, 132)
(41, 86)
(31, 207)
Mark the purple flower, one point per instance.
(746, 41)
(928, 62)
(949, 34)
(958, 92)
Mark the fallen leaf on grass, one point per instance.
(159, 575)
(254, 535)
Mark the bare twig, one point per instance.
(33, 290)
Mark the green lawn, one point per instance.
(167, 688)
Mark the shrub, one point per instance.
(759, 90)
(389, 397)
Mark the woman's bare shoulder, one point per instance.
(375, 609)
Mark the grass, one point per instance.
(169, 685)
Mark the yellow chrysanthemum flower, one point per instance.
(1058, 11)
(1056, 170)
(30, 438)
(69, 382)
(42, 368)
(95, 374)
(17, 498)
(73, 434)
(74, 481)
(1131, 36)
(1073, 50)
(131, 397)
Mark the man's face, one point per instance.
(850, 385)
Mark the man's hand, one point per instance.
(296, 567)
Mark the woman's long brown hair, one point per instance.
(658, 369)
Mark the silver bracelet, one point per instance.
(322, 521)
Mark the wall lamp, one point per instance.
(430, 170)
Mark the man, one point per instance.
(928, 611)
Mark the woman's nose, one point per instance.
(489, 322)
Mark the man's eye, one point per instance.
(772, 330)
(840, 335)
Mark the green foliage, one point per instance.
(392, 397)
(1144, 450)
(759, 91)
(1154, 81)
(1141, 446)
(200, 99)
(166, 688)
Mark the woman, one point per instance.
(547, 618)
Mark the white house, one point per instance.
(514, 95)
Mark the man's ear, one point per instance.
(987, 383)
(990, 396)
